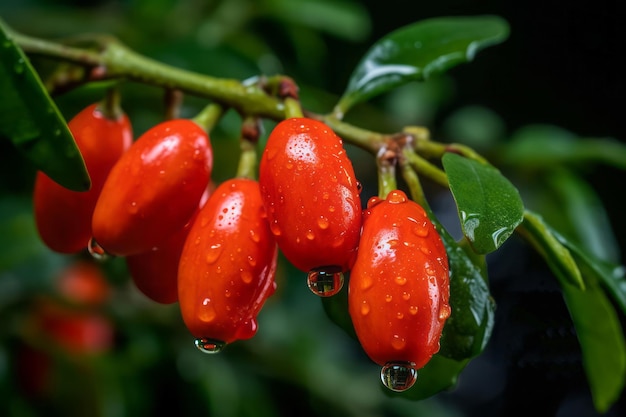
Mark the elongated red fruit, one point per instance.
(154, 189)
(312, 198)
(399, 288)
(62, 216)
(227, 266)
(155, 273)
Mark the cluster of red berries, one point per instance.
(215, 251)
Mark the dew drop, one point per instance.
(400, 280)
(400, 315)
(323, 222)
(388, 298)
(367, 283)
(420, 230)
(325, 281)
(332, 209)
(444, 312)
(396, 197)
(206, 312)
(406, 296)
(398, 342)
(246, 277)
(413, 310)
(251, 261)
(96, 251)
(365, 308)
(133, 208)
(310, 235)
(210, 346)
(274, 228)
(398, 376)
(213, 253)
(255, 236)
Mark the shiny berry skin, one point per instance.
(155, 273)
(311, 195)
(399, 285)
(154, 189)
(62, 216)
(227, 267)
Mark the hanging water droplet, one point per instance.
(398, 376)
(96, 251)
(210, 346)
(326, 281)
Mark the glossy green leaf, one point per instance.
(571, 206)
(610, 275)
(601, 340)
(543, 238)
(489, 206)
(471, 321)
(548, 145)
(419, 51)
(32, 121)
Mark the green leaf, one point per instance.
(419, 51)
(32, 121)
(543, 238)
(471, 321)
(610, 275)
(547, 146)
(601, 340)
(489, 206)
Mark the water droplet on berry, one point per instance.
(406, 296)
(398, 342)
(210, 346)
(255, 236)
(413, 310)
(206, 312)
(398, 376)
(400, 280)
(251, 261)
(213, 253)
(246, 277)
(326, 281)
(274, 228)
(365, 308)
(420, 230)
(133, 208)
(310, 235)
(444, 312)
(388, 298)
(96, 251)
(396, 197)
(323, 222)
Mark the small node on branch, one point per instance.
(251, 129)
